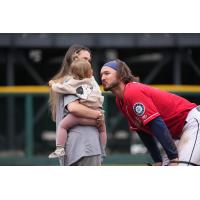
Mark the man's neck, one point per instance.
(119, 90)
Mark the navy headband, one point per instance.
(112, 64)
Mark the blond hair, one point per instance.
(80, 69)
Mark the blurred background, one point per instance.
(28, 61)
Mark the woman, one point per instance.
(83, 145)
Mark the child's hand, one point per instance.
(51, 83)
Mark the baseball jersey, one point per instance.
(143, 103)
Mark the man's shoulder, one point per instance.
(133, 86)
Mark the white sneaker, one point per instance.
(57, 153)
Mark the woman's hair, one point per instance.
(71, 55)
(125, 73)
(80, 69)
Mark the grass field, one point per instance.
(110, 160)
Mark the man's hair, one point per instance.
(125, 73)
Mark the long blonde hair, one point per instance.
(70, 56)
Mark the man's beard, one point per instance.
(113, 85)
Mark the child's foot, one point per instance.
(57, 153)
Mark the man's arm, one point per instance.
(152, 147)
(162, 133)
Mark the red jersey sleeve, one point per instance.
(140, 103)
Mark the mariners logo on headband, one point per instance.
(139, 109)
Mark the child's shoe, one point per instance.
(57, 153)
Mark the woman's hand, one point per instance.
(100, 119)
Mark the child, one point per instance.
(79, 83)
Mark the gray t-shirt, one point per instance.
(82, 140)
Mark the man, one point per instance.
(154, 114)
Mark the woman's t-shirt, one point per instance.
(82, 140)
